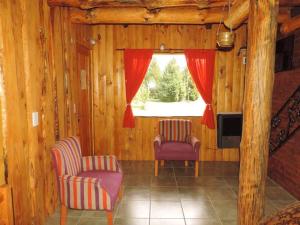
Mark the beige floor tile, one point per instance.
(167, 222)
(195, 209)
(134, 209)
(202, 222)
(166, 210)
(128, 221)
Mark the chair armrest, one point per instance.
(157, 142)
(195, 143)
(83, 193)
(103, 162)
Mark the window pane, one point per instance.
(168, 89)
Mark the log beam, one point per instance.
(154, 4)
(284, 14)
(289, 3)
(6, 212)
(144, 16)
(290, 25)
(238, 15)
(262, 27)
(135, 15)
(200, 4)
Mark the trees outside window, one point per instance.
(168, 89)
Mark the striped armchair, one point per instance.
(175, 142)
(92, 182)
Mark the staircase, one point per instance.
(286, 122)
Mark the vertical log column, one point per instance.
(262, 29)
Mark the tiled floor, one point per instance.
(175, 197)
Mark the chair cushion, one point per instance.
(110, 181)
(176, 151)
(175, 130)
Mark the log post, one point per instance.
(262, 28)
(6, 212)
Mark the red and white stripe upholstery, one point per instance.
(107, 162)
(67, 154)
(176, 130)
(83, 193)
(77, 189)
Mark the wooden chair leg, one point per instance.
(186, 163)
(63, 215)
(109, 216)
(162, 163)
(196, 168)
(156, 168)
(120, 195)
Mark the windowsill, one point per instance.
(154, 116)
(141, 116)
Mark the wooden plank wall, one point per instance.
(109, 89)
(36, 70)
(2, 173)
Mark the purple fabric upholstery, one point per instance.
(110, 181)
(176, 151)
(175, 142)
(90, 182)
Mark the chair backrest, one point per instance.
(175, 130)
(67, 156)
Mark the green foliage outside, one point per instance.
(171, 85)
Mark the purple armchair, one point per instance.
(175, 142)
(89, 182)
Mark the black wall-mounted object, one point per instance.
(284, 54)
(229, 129)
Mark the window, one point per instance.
(168, 89)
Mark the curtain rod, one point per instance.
(167, 50)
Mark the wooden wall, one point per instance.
(296, 55)
(284, 165)
(109, 89)
(36, 72)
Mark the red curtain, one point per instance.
(136, 64)
(201, 65)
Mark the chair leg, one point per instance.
(196, 168)
(156, 168)
(120, 194)
(63, 215)
(109, 216)
(162, 163)
(186, 163)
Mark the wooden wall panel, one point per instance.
(109, 89)
(2, 152)
(37, 73)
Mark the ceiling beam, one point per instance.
(290, 25)
(144, 16)
(153, 4)
(238, 14)
(135, 15)
(289, 3)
